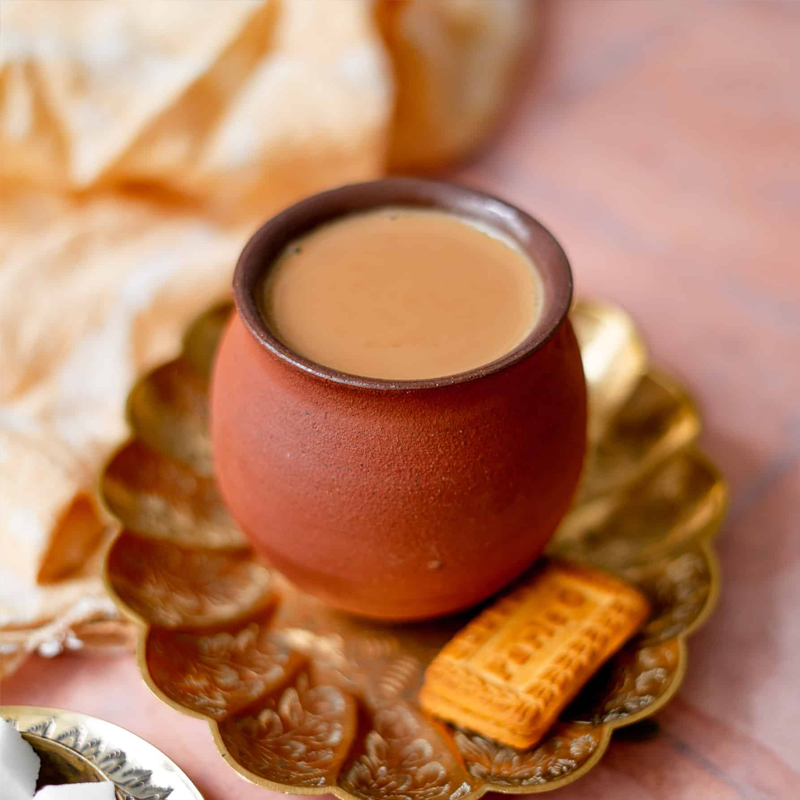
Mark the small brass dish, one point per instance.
(77, 748)
(60, 764)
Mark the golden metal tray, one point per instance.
(76, 747)
(305, 700)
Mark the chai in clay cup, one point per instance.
(399, 500)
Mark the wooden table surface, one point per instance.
(660, 142)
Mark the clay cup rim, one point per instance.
(530, 235)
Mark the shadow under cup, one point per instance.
(399, 500)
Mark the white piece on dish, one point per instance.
(19, 764)
(77, 791)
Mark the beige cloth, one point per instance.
(140, 144)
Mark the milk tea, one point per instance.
(402, 294)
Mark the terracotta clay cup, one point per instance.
(399, 500)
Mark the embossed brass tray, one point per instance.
(76, 747)
(305, 700)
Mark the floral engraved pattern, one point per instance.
(401, 759)
(633, 681)
(302, 698)
(162, 497)
(175, 588)
(679, 590)
(566, 749)
(400, 678)
(217, 674)
(656, 422)
(168, 409)
(662, 514)
(300, 738)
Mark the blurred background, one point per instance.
(142, 142)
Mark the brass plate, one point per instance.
(305, 700)
(76, 747)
